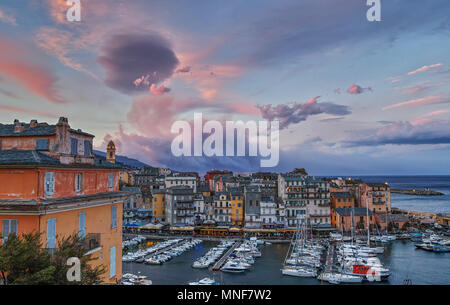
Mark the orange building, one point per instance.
(341, 200)
(344, 218)
(159, 205)
(237, 208)
(50, 182)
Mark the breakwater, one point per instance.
(417, 192)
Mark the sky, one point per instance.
(353, 97)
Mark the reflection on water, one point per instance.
(401, 257)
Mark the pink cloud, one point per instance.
(355, 89)
(424, 68)
(434, 99)
(417, 88)
(184, 69)
(7, 18)
(15, 63)
(27, 111)
(159, 90)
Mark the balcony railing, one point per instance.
(92, 241)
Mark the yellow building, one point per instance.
(159, 205)
(237, 208)
(105, 241)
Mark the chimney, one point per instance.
(63, 121)
(33, 123)
(18, 126)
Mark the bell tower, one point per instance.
(111, 152)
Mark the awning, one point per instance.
(235, 229)
(152, 226)
(181, 228)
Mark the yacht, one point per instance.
(205, 281)
(298, 271)
(233, 267)
(337, 278)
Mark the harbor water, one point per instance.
(401, 257)
(428, 204)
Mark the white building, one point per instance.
(268, 211)
(190, 181)
(305, 196)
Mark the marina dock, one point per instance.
(329, 261)
(165, 249)
(222, 260)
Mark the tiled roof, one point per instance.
(34, 157)
(393, 217)
(22, 157)
(132, 189)
(341, 195)
(40, 130)
(348, 211)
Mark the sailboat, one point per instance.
(301, 261)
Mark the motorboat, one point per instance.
(337, 278)
(298, 271)
(205, 281)
(233, 267)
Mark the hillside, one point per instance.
(124, 160)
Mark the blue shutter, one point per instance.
(112, 262)
(82, 225)
(113, 216)
(49, 183)
(0, 144)
(5, 229)
(74, 150)
(51, 233)
(87, 148)
(42, 144)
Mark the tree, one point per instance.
(24, 261)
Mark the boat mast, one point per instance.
(368, 225)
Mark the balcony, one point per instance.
(319, 215)
(92, 241)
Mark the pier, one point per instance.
(222, 260)
(425, 192)
(329, 260)
(165, 249)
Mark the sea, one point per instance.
(429, 204)
(406, 263)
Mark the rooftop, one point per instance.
(356, 211)
(33, 129)
(341, 195)
(36, 158)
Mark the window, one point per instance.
(79, 182)
(112, 262)
(49, 183)
(42, 144)
(9, 226)
(51, 233)
(74, 147)
(113, 216)
(87, 148)
(111, 180)
(82, 225)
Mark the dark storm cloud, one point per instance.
(128, 57)
(404, 133)
(297, 112)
